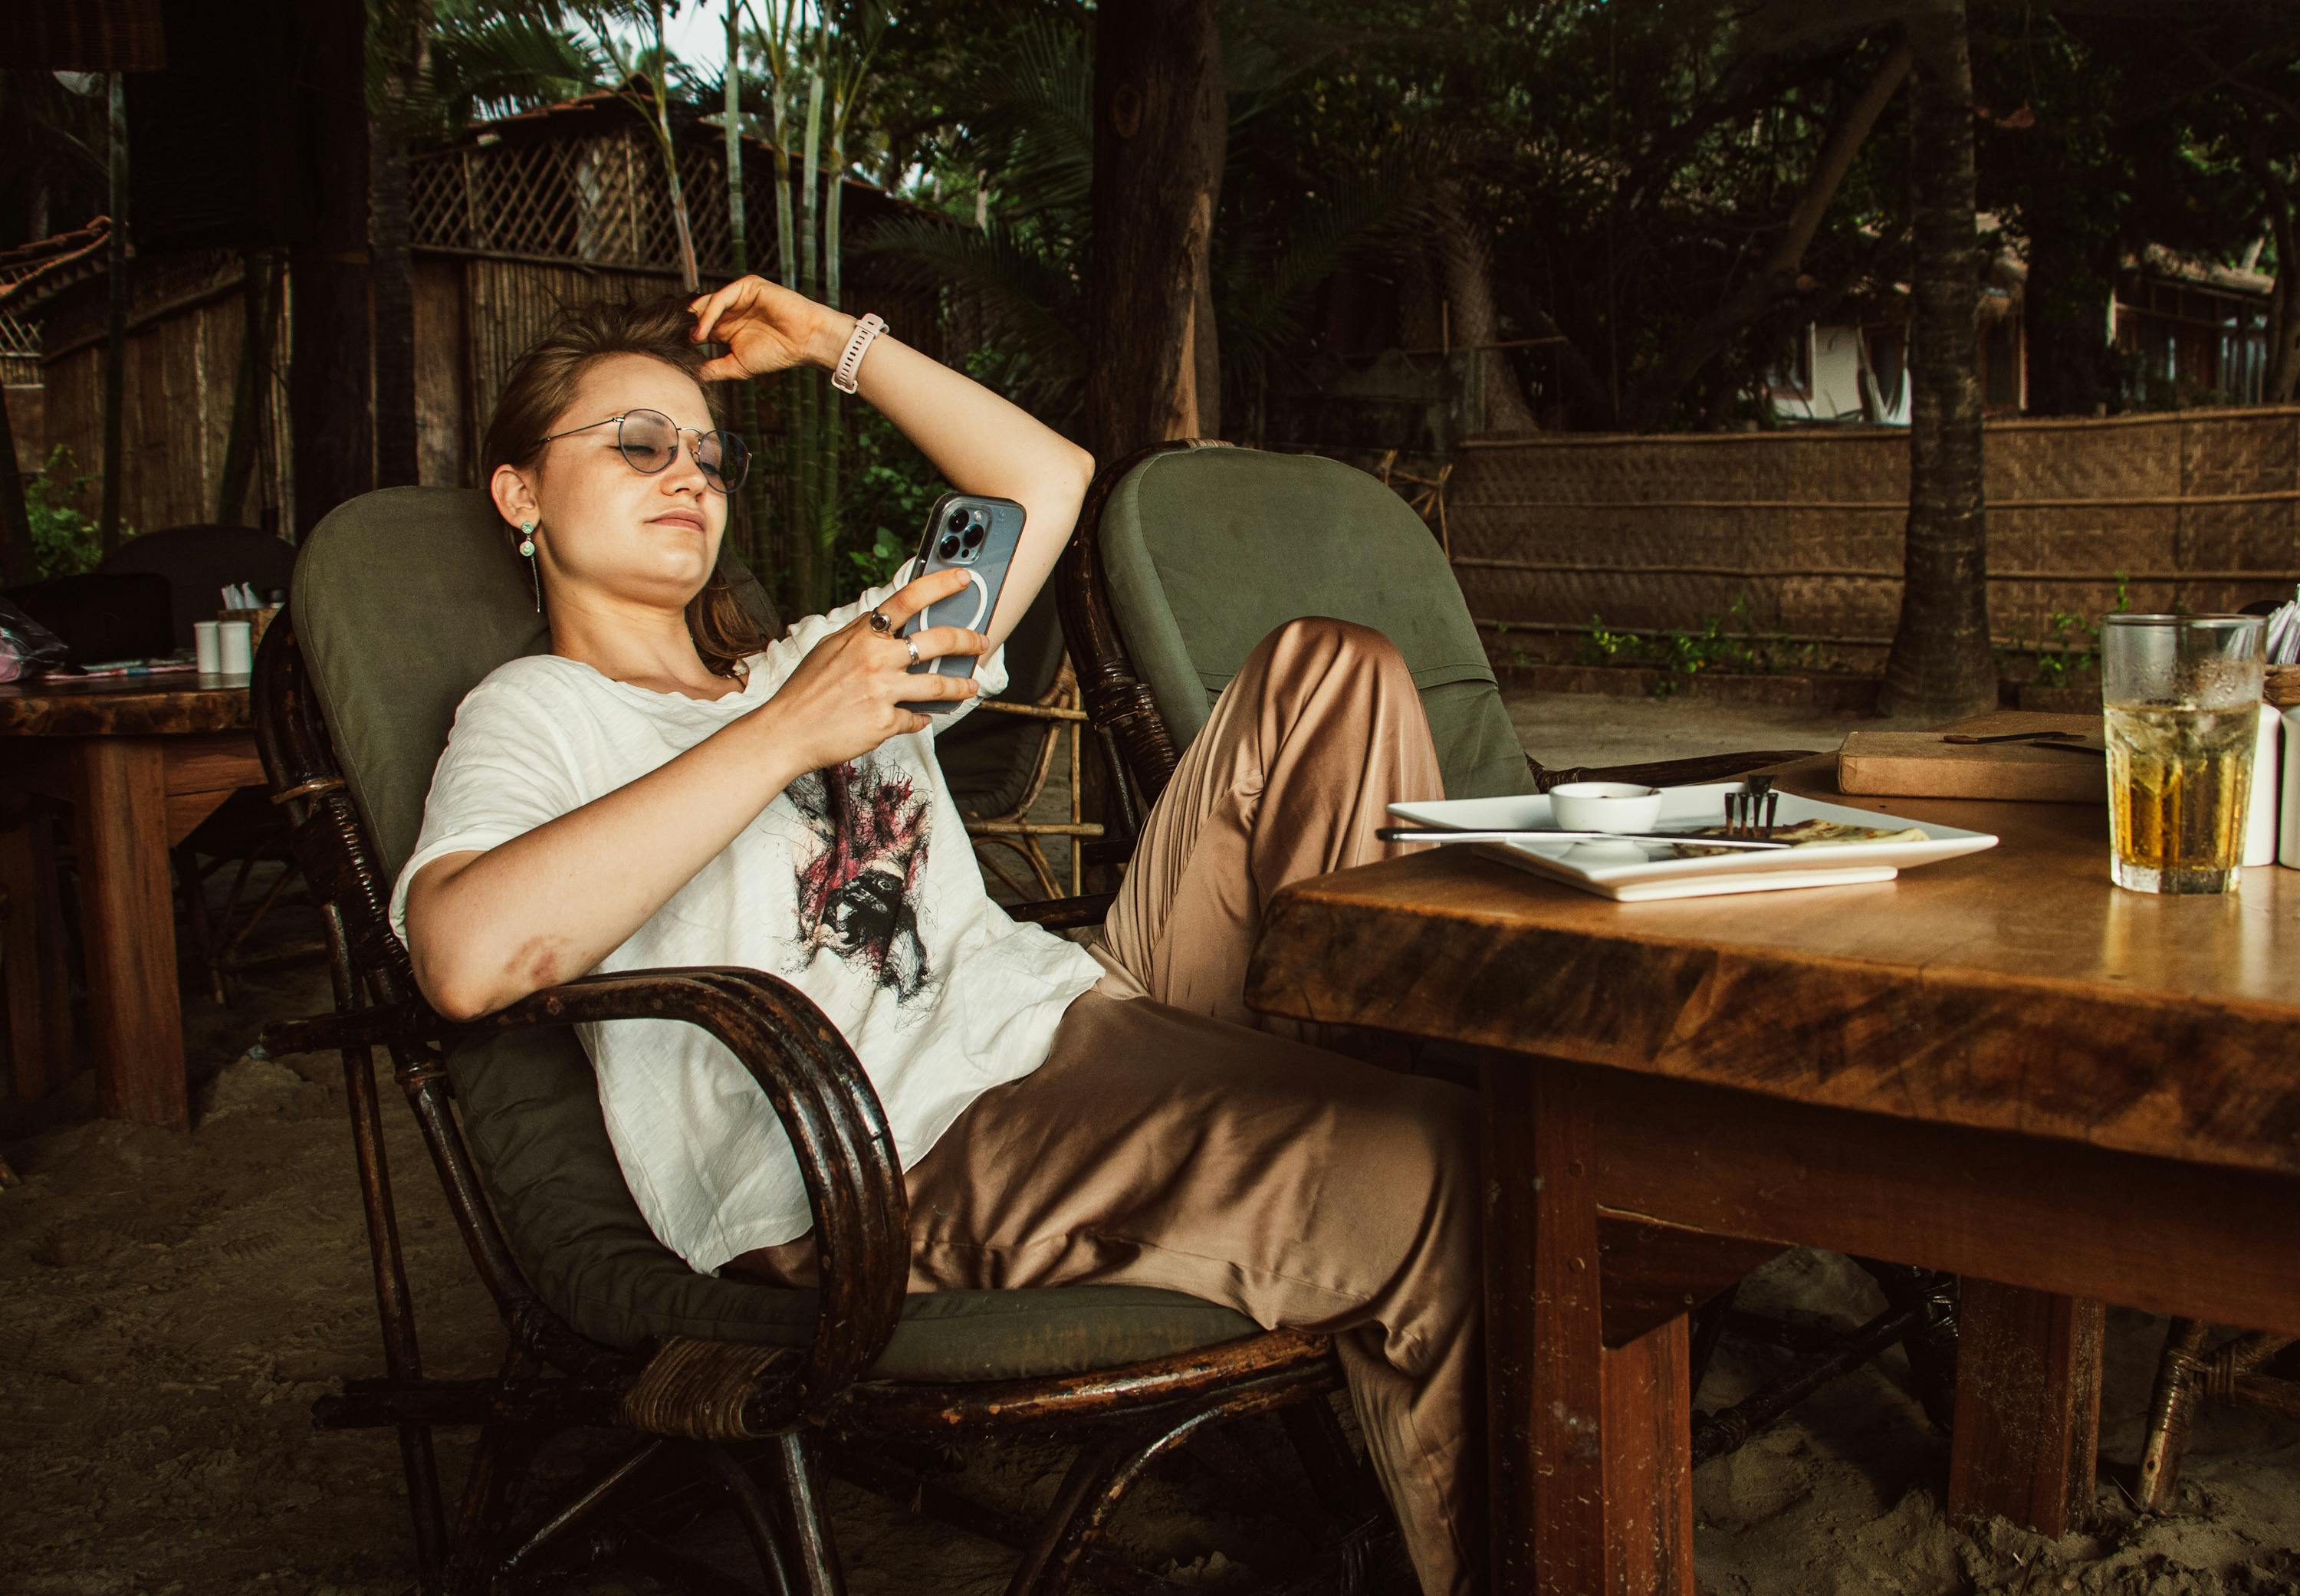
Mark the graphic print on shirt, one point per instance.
(857, 888)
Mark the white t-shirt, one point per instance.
(857, 885)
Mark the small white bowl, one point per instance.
(1604, 806)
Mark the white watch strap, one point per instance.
(843, 376)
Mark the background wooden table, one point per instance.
(141, 766)
(2001, 1065)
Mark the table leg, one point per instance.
(127, 924)
(2028, 1407)
(1590, 1447)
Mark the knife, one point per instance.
(1406, 833)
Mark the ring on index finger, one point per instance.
(912, 645)
(882, 625)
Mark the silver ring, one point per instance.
(880, 624)
(912, 645)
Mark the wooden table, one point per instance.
(141, 766)
(2001, 1065)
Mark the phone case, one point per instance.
(978, 534)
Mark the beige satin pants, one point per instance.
(1174, 1138)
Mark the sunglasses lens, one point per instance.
(725, 460)
(648, 440)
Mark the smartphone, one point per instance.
(978, 534)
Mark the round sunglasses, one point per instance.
(649, 441)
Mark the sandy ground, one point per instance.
(170, 1305)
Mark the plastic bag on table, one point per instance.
(27, 648)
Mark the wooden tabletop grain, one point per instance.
(2014, 989)
(124, 706)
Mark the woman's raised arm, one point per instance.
(979, 442)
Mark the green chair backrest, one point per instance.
(405, 598)
(1207, 551)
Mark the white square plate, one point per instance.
(1660, 875)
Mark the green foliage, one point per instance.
(882, 503)
(1731, 642)
(64, 542)
(2070, 645)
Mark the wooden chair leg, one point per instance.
(760, 1522)
(1098, 1480)
(2171, 1407)
(816, 1557)
(1346, 1488)
(1931, 1347)
(2185, 1378)
(475, 1559)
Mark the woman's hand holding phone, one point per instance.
(845, 698)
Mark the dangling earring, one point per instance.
(527, 552)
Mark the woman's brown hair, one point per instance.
(541, 386)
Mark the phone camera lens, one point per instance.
(948, 548)
(974, 537)
(958, 520)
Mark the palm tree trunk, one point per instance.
(404, 26)
(1941, 664)
(689, 277)
(115, 334)
(833, 437)
(806, 454)
(798, 547)
(746, 391)
(1466, 265)
(1160, 128)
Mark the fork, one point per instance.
(1752, 811)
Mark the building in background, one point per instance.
(2186, 336)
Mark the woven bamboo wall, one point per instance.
(183, 362)
(2197, 510)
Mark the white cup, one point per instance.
(208, 648)
(239, 647)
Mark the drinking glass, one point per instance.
(2182, 697)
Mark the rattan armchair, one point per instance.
(718, 1386)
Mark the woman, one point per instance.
(665, 787)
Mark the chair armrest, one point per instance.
(1669, 773)
(1063, 914)
(817, 1087)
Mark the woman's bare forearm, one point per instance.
(486, 930)
(981, 443)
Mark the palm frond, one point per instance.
(1027, 108)
(1267, 278)
(489, 65)
(1027, 298)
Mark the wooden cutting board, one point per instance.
(1919, 765)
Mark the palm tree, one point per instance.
(1941, 663)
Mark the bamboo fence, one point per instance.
(2189, 510)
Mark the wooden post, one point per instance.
(332, 420)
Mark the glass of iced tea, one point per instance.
(2181, 696)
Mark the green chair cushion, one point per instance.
(1207, 551)
(532, 1114)
(404, 600)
